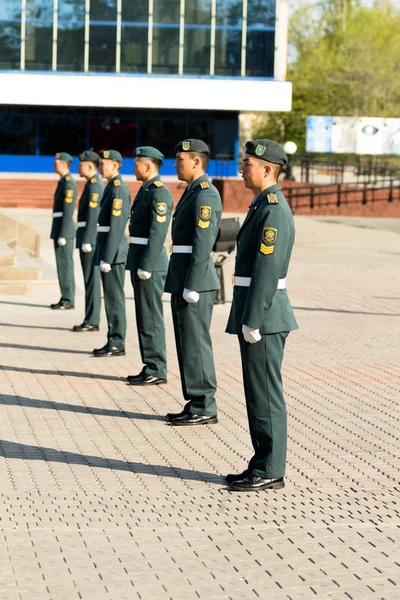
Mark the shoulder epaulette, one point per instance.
(272, 199)
(68, 178)
(93, 180)
(158, 183)
(205, 185)
(117, 183)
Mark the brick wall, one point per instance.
(236, 198)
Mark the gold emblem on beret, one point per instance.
(260, 149)
(58, 155)
(106, 154)
(205, 212)
(269, 235)
(185, 146)
(82, 156)
(117, 204)
(161, 208)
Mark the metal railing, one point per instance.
(343, 194)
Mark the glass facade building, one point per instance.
(202, 37)
(170, 68)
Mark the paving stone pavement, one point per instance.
(101, 499)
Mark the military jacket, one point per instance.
(264, 247)
(150, 217)
(88, 211)
(63, 225)
(195, 223)
(112, 244)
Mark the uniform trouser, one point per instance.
(114, 303)
(150, 322)
(266, 409)
(194, 350)
(65, 270)
(92, 280)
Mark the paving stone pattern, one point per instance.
(101, 499)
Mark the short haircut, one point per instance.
(276, 169)
(204, 158)
(156, 161)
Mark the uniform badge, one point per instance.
(58, 155)
(117, 183)
(272, 199)
(82, 156)
(203, 224)
(266, 249)
(93, 180)
(158, 184)
(185, 146)
(106, 154)
(161, 208)
(269, 235)
(117, 204)
(205, 212)
(68, 178)
(161, 219)
(205, 185)
(260, 149)
(69, 196)
(94, 198)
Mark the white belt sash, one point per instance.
(245, 282)
(81, 223)
(139, 240)
(103, 228)
(57, 214)
(181, 249)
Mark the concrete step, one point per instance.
(19, 273)
(14, 288)
(7, 256)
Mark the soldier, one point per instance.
(193, 281)
(148, 264)
(63, 230)
(88, 212)
(111, 251)
(261, 314)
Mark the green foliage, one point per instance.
(346, 63)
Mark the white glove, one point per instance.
(61, 241)
(86, 247)
(143, 274)
(191, 296)
(105, 267)
(251, 335)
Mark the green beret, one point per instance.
(64, 156)
(111, 155)
(267, 150)
(148, 151)
(191, 145)
(89, 156)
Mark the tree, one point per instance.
(346, 62)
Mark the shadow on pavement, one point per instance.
(28, 452)
(44, 349)
(24, 304)
(62, 373)
(7, 400)
(349, 312)
(34, 326)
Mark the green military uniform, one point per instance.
(260, 301)
(63, 226)
(195, 226)
(88, 212)
(112, 248)
(148, 227)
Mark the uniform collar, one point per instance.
(146, 185)
(197, 182)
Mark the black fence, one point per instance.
(343, 194)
